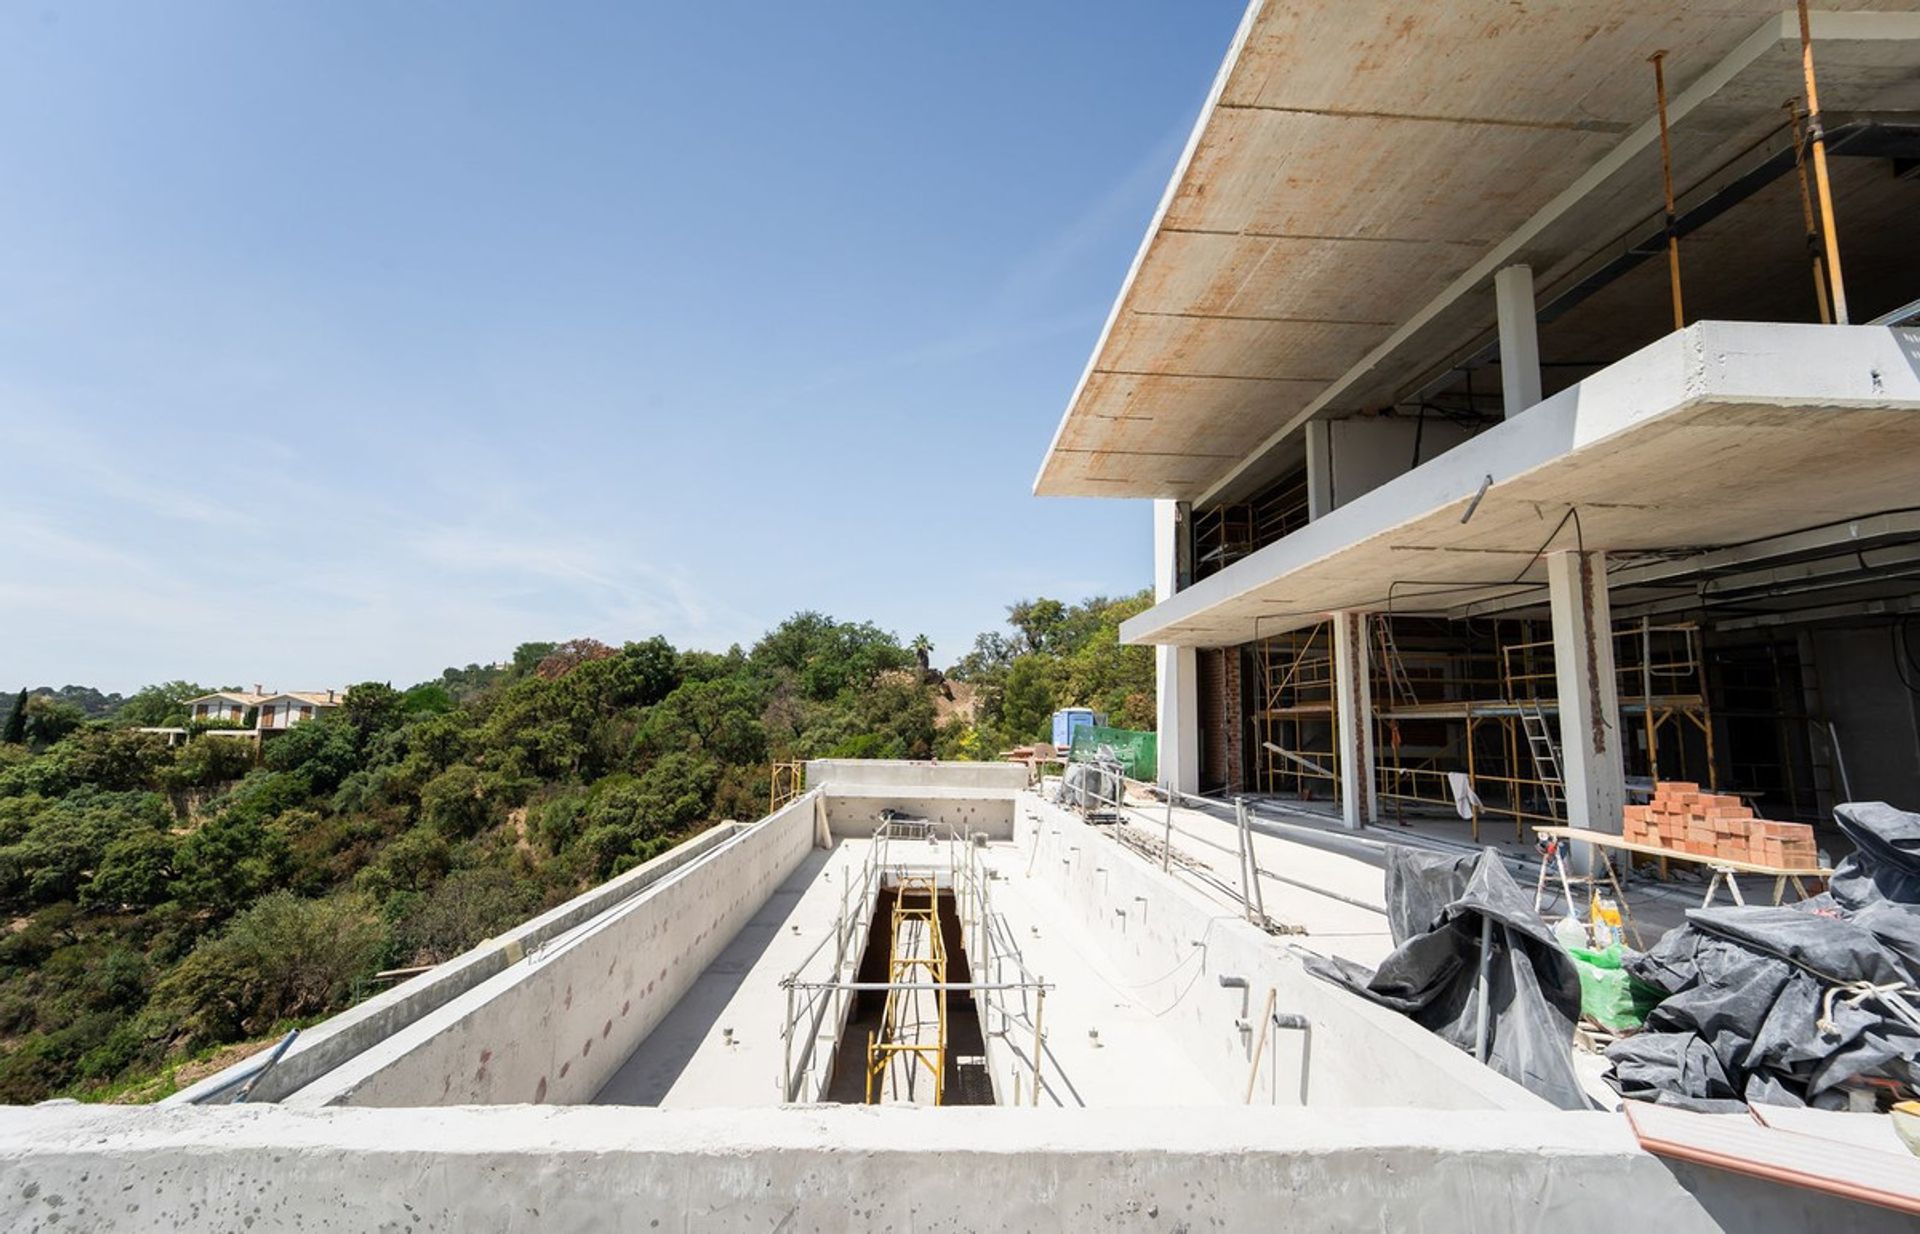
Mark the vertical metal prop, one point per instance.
(1666, 174)
(1806, 213)
(1486, 960)
(1166, 851)
(1480, 1017)
(786, 1066)
(1039, 1041)
(1818, 135)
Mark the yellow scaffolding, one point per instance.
(917, 960)
(1437, 701)
(784, 784)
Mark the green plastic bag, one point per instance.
(1610, 996)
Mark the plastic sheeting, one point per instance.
(1092, 786)
(1747, 989)
(1435, 905)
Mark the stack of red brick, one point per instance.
(1683, 818)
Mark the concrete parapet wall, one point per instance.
(839, 773)
(554, 1026)
(856, 811)
(329, 1045)
(269, 1168)
(1149, 924)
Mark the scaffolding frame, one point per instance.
(916, 969)
(1475, 697)
(1011, 998)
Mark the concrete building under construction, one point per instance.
(1529, 411)
(1522, 393)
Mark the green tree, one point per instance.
(373, 707)
(455, 802)
(157, 705)
(49, 719)
(1027, 703)
(16, 730)
(283, 958)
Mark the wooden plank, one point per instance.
(1740, 1144)
(1607, 839)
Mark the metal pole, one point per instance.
(1806, 213)
(1666, 170)
(1039, 1042)
(1486, 958)
(1253, 864)
(786, 1066)
(273, 1058)
(1166, 852)
(1818, 134)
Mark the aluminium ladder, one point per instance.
(1399, 685)
(1546, 758)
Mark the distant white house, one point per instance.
(286, 710)
(273, 710)
(225, 705)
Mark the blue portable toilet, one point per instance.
(1067, 719)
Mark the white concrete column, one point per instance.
(1177, 669)
(1353, 708)
(1319, 439)
(1590, 738)
(1519, 338)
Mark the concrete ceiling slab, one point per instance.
(1720, 433)
(1370, 163)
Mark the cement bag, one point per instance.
(1609, 995)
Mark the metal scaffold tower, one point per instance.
(913, 1029)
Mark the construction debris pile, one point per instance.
(1683, 818)
(1808, 1004)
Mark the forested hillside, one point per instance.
(163, 900)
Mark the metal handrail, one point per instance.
(814, 1000)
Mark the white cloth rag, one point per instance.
(1465, 800)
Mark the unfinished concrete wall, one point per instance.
(840, 773)
(554, 1026)
(1369, 451)
(855, 812)
(1873, 712)
(328, 1045)
(1174, 945)
(969, 797)
(270, 1168)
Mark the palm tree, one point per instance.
(922, 648)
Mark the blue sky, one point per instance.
(352, 340)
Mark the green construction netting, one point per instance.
(1139, 753)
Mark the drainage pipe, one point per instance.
(1300, 1023)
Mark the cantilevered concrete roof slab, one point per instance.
(1721, 433)
(1362, 169)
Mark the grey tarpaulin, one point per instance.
(1093, 785)
(1434, 907)
(1747, 989)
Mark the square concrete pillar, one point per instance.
(1591, 761)
(1519, 339)
(1319, 442)
(1353, 715)
(1177, 669)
